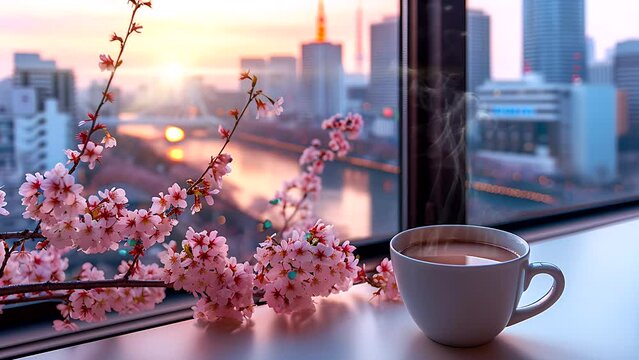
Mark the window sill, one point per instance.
(595, 318)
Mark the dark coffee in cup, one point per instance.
(459, 252)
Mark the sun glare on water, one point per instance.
(175, 154)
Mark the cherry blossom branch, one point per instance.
(138, 251)
(238, 117)
(287, 220)
(25, 234)
(79, 285)
(105, 94)
(21, 300)
(8, 255)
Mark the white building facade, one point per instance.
(532, 128)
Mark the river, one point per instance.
(360, 201)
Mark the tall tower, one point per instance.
(384, 57)
(626, 78)
(321, 23)
(555, 39)
(322, 82)
(359, 51)
(478, 49)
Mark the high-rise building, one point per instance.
(601, 73)
(42, 103)
(477, 48)
(591, 56)
(383, 93)
(282, 80)
(277, 77)
(322, 80)
(256, 66)
(40, 136)
(555, 39)
(7, 145)
(626, 78)
(47, 80)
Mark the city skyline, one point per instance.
(77, 42)
(507, 30)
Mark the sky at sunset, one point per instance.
(607, 21)
(208, 36)
(201, 36)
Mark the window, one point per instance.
(551, 116)
(179, 79)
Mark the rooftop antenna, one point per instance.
(321, 23)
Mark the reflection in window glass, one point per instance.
(179, 79)
(554, 106)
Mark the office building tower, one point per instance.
(477, 49)
(601, 73)
(47, 80)
(384, 59)
(555, 40)
(257, 66)
(40, 136)
(591, 56)
(7, 144)
(322, 78)
(282, 80)
(626, 78)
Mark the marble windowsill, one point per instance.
(596, 318)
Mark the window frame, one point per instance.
(433, 176)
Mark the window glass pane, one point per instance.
(552, 115)
(179, 79)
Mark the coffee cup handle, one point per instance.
(528, 311)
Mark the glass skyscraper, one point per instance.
(478, 48)
(555, 40)
(626, 78)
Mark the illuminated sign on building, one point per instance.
(498, 111)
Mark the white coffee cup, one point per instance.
(468, 305)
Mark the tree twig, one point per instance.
(117, 63)
(77, 285)
(7, 255)
(251, 97)
(287, 220)
(136, 258)
(25, 234)
(28, 299)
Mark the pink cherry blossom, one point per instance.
(297, 196)
(31, 186)
(203, 268)
(262, 110)
(223, 132)
(160, 203)
(385, 281)
(92, 153)
(106, 63)
(303, 266)
(177, 196)
(109, 141)
(277, 109)
(65, 325)
(3, 203)
(72, 155)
